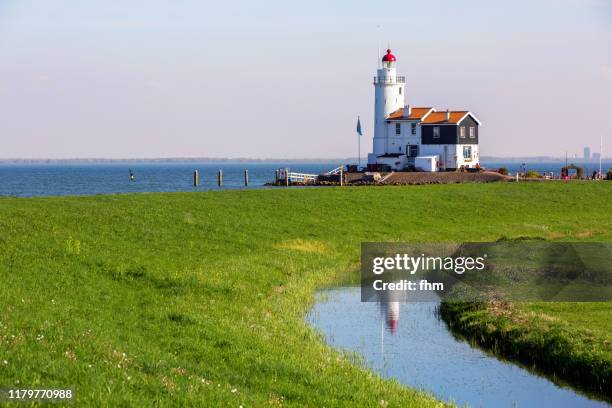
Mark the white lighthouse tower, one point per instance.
(389, 97)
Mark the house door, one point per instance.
(444, 158)
(414, 150)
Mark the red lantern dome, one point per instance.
(392, 324)
(389, 57)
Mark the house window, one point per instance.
(472, 132)
(400, 90)
(467, 152)
(462, 132)
(436, 132)
(413, 128)
(398, 128)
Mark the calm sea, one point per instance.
(28, 180)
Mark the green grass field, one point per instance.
(186, 299)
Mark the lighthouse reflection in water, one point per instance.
(390, 308)
(389, 302)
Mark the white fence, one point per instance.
(293, 177)
(337, 170)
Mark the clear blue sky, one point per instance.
(282, 79)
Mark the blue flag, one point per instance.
(359, 127)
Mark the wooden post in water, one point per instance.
(286, 177)
(246, 178)
(341, 176)
(196, 178)
(220, 178)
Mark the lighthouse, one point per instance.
(410, 138)
(389, 97)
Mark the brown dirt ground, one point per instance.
(406, 178)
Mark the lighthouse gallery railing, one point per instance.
(390, 80)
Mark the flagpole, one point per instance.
(600, 155)
(359, 134)
(358, 149)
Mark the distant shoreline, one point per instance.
(535, 159)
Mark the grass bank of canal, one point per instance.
(570, 341)
(198, 299)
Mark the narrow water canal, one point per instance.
(408, 342)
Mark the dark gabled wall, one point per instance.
(448, 134)
(467, 122)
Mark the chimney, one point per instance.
(447, 115)
(407, 111)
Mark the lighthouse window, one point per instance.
(472, 132)
(398, 128)
(400, 90)
(436, 132)
(413, 128)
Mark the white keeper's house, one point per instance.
(420, 138)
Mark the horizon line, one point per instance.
(254, 159)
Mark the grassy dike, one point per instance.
(190, 299)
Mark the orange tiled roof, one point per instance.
(440, 117)
(415, 114)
